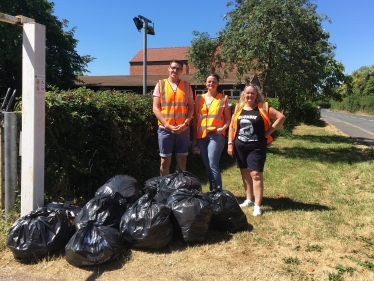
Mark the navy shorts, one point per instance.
(251, 155)
(177, 143)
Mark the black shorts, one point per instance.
(251, 155)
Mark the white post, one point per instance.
(33, 117)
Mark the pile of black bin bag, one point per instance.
(123, 214)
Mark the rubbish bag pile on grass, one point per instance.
(123, 214)
(97, 239)
(192, 210)
(227, 214)
(39, 233)
(110, 202)
(147, 224)
(93, 244)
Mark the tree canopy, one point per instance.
(62, 60)
(282, 42)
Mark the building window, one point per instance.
(233, 93)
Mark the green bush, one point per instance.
(92, 136)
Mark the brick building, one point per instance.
(158, 60)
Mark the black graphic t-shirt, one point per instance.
(251, 126)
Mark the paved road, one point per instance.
(359, 127)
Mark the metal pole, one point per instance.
(145, 29)
(10, 159)
(2, 168)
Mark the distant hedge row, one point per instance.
(355, 103)
(92, 136)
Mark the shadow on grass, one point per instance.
(336, 138)
(348, 155)
(111, 265)
(285, 203)
(214, 236)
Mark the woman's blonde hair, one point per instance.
(259, 97)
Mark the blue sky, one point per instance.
(106, 31)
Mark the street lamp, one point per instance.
(142, 22)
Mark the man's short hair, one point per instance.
(177, 61)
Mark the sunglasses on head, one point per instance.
(251, 85)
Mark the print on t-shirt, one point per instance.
(246, 131)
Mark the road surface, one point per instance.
(359, 127)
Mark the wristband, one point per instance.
(230, 142)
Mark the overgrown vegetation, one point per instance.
(317, 223)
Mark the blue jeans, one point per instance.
(211, 149)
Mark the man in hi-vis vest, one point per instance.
(173, 105)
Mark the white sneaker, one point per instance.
(247, 203)
(257, 211)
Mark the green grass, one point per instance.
(318, 221)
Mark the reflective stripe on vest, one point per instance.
(174, 104)
(211, 119)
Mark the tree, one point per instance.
(369, 88)
(203, 55)
(284, 44)
(62, 60)
(360, 78)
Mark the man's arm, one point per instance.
(157, 112)
(190, 111)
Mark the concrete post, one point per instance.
(33, 117)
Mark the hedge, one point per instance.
(92, 136)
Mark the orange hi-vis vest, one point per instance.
(264, 112)
(211, 119)
(174, 105)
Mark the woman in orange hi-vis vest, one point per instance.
(212, 118)
(249, 133)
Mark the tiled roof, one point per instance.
(137, 80)
(161, 54)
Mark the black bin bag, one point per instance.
(110, 202)
(227, 214)
(147, 224)
(39, 233)
(71, 210)
(192, 210)
(127, 186)
(172, 182)
(104, 211)
(151, 186)
(93, 244)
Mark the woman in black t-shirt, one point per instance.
(249, 131)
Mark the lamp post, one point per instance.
(142, 22)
